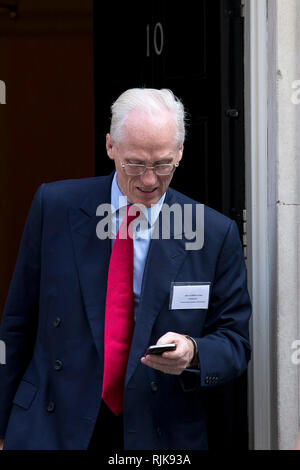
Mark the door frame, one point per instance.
(259, 243)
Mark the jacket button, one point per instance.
(154, 386)
(50, 406)
(57, 322)
(58, 365)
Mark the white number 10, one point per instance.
(158, 44)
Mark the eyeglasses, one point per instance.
(137, 169)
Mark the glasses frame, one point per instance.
(145, 168)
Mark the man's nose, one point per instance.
(149, 177)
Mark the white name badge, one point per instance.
(189, 295)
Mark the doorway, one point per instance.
(197, 50)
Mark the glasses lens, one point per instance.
(164, 169)
(134, 170)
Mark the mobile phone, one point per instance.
(160, 348)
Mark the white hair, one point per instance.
(149, 100)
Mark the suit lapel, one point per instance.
(92, 259)
(163, 262)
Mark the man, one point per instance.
(83, 308)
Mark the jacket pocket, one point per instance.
(190, 380)
(25, 394)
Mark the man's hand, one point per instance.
(171, 362)
(1, 444)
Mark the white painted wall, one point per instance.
(272, 61)
(288, 219)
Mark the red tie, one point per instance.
(119, 317)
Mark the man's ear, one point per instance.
(109, 147)
(180, 152)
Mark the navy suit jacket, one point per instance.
(53, 325)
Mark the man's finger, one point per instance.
(163, 360)
(166, 370)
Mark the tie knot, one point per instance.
(126, 230)
(132, 212)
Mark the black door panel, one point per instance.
(195, 49)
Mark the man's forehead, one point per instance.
(141, 124)
(141, 118)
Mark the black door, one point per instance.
(196, 50)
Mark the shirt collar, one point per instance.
(119, 200)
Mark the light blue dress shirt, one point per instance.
(143, 231)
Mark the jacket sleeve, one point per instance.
(19, 321)
(224, 349)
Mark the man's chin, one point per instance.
(147, 203)
(148, 199)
